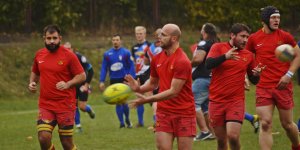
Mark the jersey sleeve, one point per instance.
(182, 70)
(249, 45)
(75, 65)
(153, 71)
(103, 70)
(290, 39)
(35, 67)
(214, 51)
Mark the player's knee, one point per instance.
(44, 137)
(288, 125)
(233, 138)
(266, 125)
(82, 106)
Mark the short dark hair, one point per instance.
(239, 27)
(211, 31)
(117, 35)
(51, 29)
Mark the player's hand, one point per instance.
(258, 69)
(232, 54)
(101, 86)
(247, 84)
(132, 83)
(32, 87)
(84, 88)
(283, 82)
(139, 101)
(62, 85)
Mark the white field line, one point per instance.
(19, 112)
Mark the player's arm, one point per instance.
(33, 80)
(212, 62)
(103, 73)
(149, 85)
(173, 91)
(89, 76)
(77, 79)
(198, 57)
(286, 79)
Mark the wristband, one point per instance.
(289, 74)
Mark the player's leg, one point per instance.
(126, 111)
(233, 130)
(184, 137)
(265, 135)
(140, 114)
(221, 137)
(77, 121)
(200, 92)
(286, 119)
(164, 140)
(120, 111)
(65, 121)
(254, 120)
(83, 98)
(45, 125)
(285, 104)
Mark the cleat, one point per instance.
(122, 126)
(78, 130)
(128, 123)
(139, 125)
(92, 114)
(203, 136)
(255, 123)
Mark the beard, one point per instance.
(166, 45)
(52, 47)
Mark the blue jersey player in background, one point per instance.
(83, 89)
(117, 61)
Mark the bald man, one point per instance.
(172, 72)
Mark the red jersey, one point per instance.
(264, 45)
(52, 68)
(227, 82)
(167, 68)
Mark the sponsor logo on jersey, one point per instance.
(60, 62)
(116, 66)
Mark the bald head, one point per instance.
(172, 29)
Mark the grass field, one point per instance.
(18, 119)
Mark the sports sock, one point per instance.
(119, 111)
(77, 116)
(249, 117)
(140, 113)
(88, 108)
(126, 111)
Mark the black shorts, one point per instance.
(81, 96)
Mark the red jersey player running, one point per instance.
(58, 71)
(230, 62)
(275, 87)
(172, 72)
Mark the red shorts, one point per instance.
(178, 125)
(61, 118)
(220, 113)
(283, 99)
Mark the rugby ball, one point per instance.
(117, 93)
(285, 53)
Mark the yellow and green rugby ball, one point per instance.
(117, 93)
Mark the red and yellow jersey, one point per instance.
(52, 68)
(264, 45)
(227, 82)
(167, 68)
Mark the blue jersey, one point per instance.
(118, 63)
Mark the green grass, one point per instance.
(18, 121)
